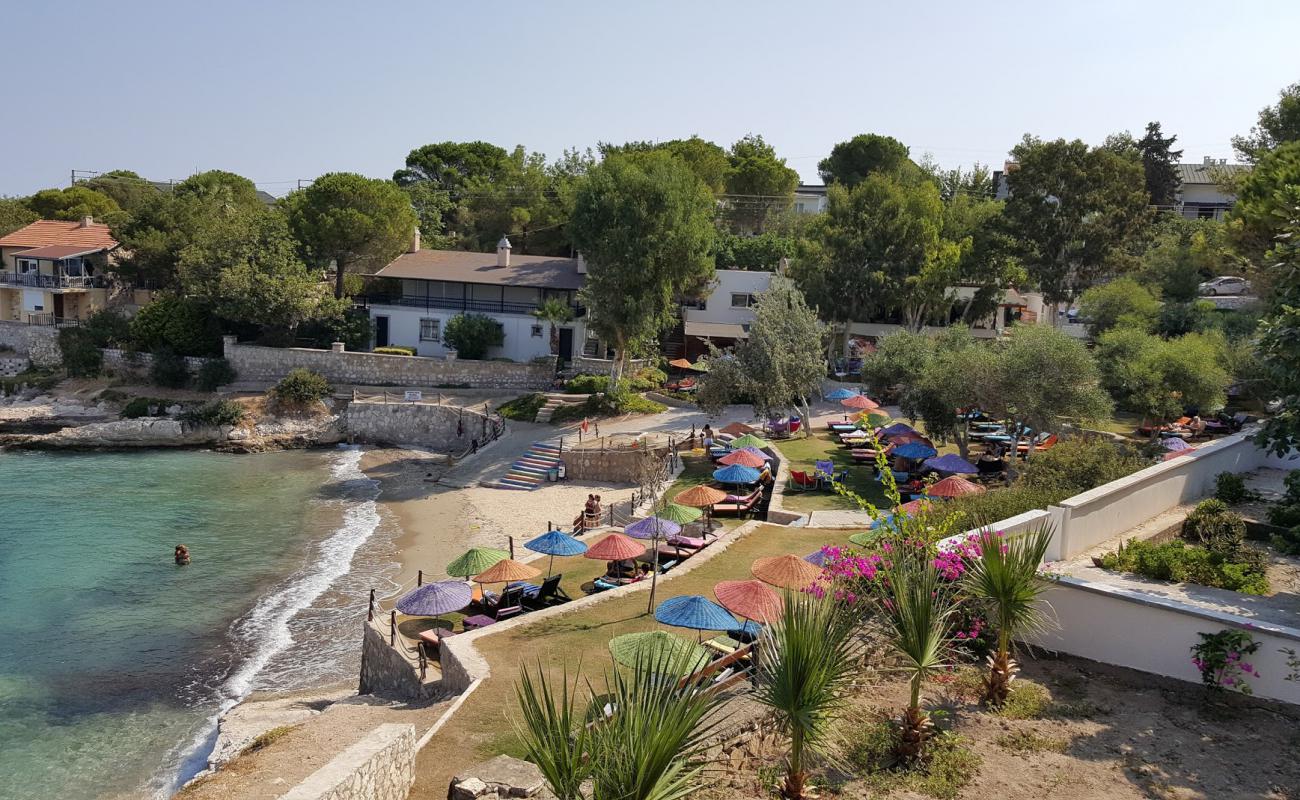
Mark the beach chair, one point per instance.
(688, 542)
(547, 594)
(483, 620)
(801, 481)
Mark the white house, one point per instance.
(1201, 194)
(809, 198)
(436, 285)
(724, 315)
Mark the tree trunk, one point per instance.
(555, 340)
(616, 368)
(340, 269)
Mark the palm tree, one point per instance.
(1005, 578)
(918, 607)
(555, 312)
(805, 670)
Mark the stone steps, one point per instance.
(531, 469)
(554, 401)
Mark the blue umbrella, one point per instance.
(747, 632)
(433, 599)
(913, 451)
(952, 464)
(736, 474)
(695, 611)
(652, 528)
(841, 394)
(897, 428)
(817, 559)
(555, 543)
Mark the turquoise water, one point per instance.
(113, 660)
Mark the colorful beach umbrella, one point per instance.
(701, 496)
(507, 570)
(744, 458)
(556, 543)
(755, 451)
(653, 528)
(817, 559)
(896, 429)
(749, 440)
(860, 402)
(952, 464)
(914, 451)
(864, 538)
(680, 363)
(1174, 445)
(658, 649)
(736, 474)
(696, 612)
(785, 572)
(682, 515)
(750, 600)
(435, 599)
(954, 486)
(736, 429)
(914, 507)
(614, 547)
(842, 394)
(475, 560)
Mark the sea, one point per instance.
(114, 661)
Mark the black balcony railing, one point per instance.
(35, 281)
(458, 304)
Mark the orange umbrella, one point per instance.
(680, 363)
(700, 496)
(954, 486)
(744, 458)
(750, 599)
(505, 571)
(785, 572)
(860, 401)
(736, 429)
(615, 547)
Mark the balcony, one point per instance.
(32, 280)
(458, 304)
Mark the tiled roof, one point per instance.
(45, 232)
(544, 272)
(1207, 173)
(56, 251)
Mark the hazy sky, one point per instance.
(279, 90)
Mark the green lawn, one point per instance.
(802, 453)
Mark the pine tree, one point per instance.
(1160, 164)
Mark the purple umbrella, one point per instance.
(433, 599)
(1174, 444)
(652, 528)
(951, 464)
(757, 452)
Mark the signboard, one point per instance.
(413, 396)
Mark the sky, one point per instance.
(282, 90)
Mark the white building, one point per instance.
(1201, 194)
(809, 198)
(724, 315)
(436, 285)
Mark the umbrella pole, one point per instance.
(550, 564)
(654, 571)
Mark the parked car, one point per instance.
(1225, 284)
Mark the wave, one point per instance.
(265, 630)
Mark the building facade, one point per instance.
(54, 270)
(425, 289)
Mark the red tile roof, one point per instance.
(45, 232)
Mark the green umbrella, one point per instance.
(475, 560)
(682, 515)
(748, 440)
(658, 649)
(865, 538)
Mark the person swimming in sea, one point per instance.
(182, 555)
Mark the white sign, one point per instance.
(414, 396)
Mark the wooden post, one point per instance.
(370, 610)
(392, 629)
(511, 539)
(419, 577)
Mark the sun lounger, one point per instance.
(738, 505)
(688, 542)
(483, 620)
(548, 593)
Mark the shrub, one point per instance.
(108, 328)
(949, 764)
(1176, 561)
(169, 369)
(395, 351)
(140, 407)
(1080, 463)
(183, 324)
(301, 387)
(978, 510)
(215, 372)
(523, 408)
(1222, 661)
(587, 384)
(1230, 488)
(215, 413)
(472, 334)
(36, 379)
(353, 328)
(1286, 513)
(81, 357)
(1216, 528)
(648, 379)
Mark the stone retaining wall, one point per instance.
(447, 429)
(379, 767)
(40, 343)
(610, 466)
(124, 362)
(270, 364)
(583, 365)
(387, 673)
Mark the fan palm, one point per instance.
(805, 669)
(918, 608)
(1005, 578)
(555, 312)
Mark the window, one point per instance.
(26, 265)
(73, 267)
(430, 330)
(742, 300)
(537, 330)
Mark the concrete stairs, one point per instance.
(554, 401)
(529, 471)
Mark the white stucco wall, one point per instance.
(520, 343)
(728, 282)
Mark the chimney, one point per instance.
(503, 252)
(415, 242)
(87, 221)
(582, 265)
(1209, 160)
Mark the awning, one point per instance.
(57, 251)
(716, 330)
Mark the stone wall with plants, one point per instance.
(39, 343)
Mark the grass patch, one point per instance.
(1027, 700)
(523, 408)
(39, 380)
(1027, 742)
(802, 453)
(266, 738)
(948, 766)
